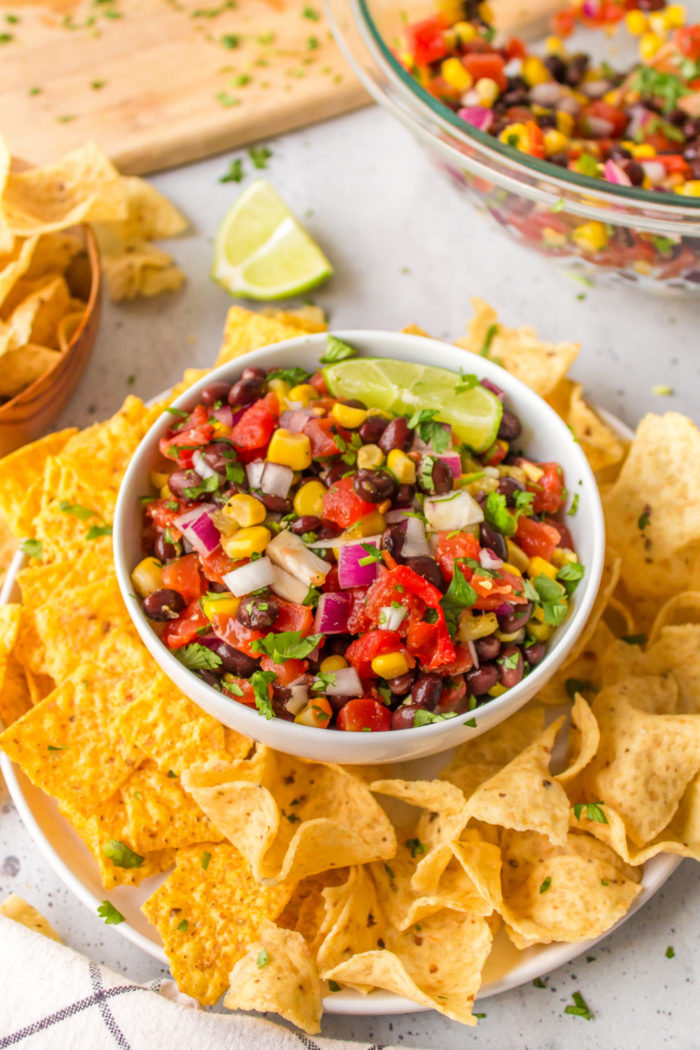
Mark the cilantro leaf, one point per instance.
(322, 680)
(372, 554)
(538, 983)
(529, 591)
(109, 913)
(210, 484)
(77, 510)
(121, 855)
(286, 645)
(544, 886)
(579, 1009)
(262, 959)
(416, 847)
(432, 433)
(571, 575)
(510, 662)
(312, 596)
(497, 514)
(465, 382)
(670, 953)
(293, 376)
(491, 332)
(333, 986)
(32, 548)
(259, 155)
(551, 596)
(593, 810)
(182, 925)
(458, 596)
(95, 531)
(206, 857)
(573, 509)
(424, 718)
(260, 680)
(523, 502)
(235, 172)
(336, 350)
(197, 657)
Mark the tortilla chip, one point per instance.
(645, 761)
(69, 746)
(601, 444)
(208, 913)
(150, 217)
(20, 368)
(584, 740)
(608, 581)
(278, 973)
(67, 327)
(15, 265)
(54, 253)
(16, 908)
(39, 685)
(306, 318)
(35, 318)
(141, 269)
(674, 657)
(21, 474)
(519, 350)
(246, 331)
(683, 608)
(15, 697)
(307, 907)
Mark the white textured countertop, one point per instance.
(406, 248)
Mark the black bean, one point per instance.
(510, 427)
(426, 691)
(180, 480)
(393, 541)
(276, 504)
(328, 531)
(481, 679)
(211, 679)
(429, 569)
(215, 392)
(374, 486)
(516, 619)
(635, 172)
(164, 550)
(535, 653)
(353, 402)
(306, 523)
(218, 456)
(490, 537)
(434, 476)
(404, 495)
(335, 473)
(247, 389)
(236, 662)
(404, 716)
(455, 696)
(280, 695)
(487, 648)
(149, 535)
(556, 66)
(258, 612)
(165, 604)
(218, 588)
(338, 702)
(372, 429)
(396, 435)
(510, 676)
(401, 685)
(509, 486)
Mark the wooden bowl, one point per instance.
(31, 412)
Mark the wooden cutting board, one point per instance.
(161, 82)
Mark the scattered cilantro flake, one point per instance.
(206, 857)
(260, 680)
(259, 156)
(109, 913)
(573, 509)
(321, 682)
(510, 662)
(661, 391)
(571, 575)
(634, 639)
(389, 871)
(312, 596)
(372, 554)
(670, 953)
(431, 432)
(121, 855)
(182, 925)
(210, 484)
(558, 206)
(416, 847)
(424, 718)
(286, 645)
(491, 332)
(32, 548)
(241, 80)
(95, 531)
(77, 510)
(226, 99)
(311, 13)
(230, 41)
(471, 722)
(576, 685)
(35, 91)
(172, 775)
(262, 959)
(67, 117)
(539, 983)
(197, 657)
(312, 43)
(6, 38)
(333, 986)
(336, 350)
(593, 810)
(545, 884)
(293, 376)
(579, 1009)
(644, 518)
(235, 171)
(52, 747)
(497, 514)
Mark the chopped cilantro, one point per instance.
(311, 13)
(431, 432)
(121, 855)
(576, 685)
(670, 953)
(77, 510)
(644, 518)
(109, 913)
(293, 376)
(545, 884)
(480, 1017)
(262, 959)
(336, 350)
(230, 41)
(235, 171)
(465, 382)
(197, 657)
(573, 509)
(260, 680)
(333, 986)
(321, 682)
(182, 925)
(95, 531)
(523, 502)
(52, 747)
(286, 645)
(389, 871)
(416, 847)
(206, 857)
(226, 99)
(539, 983)
(210, 484)
(424, 718)
(594, 811)
(579, 1009)
(459, 595)
(510, 662)
(491, 333)
(32, 548)
(497, 514)
(372, 554)
(259, 156)
(558, 206)
(312, 596)
(571, 575)
(551, 594)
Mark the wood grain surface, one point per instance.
(161, 82)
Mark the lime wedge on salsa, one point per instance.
(262, 252)
(403, 387)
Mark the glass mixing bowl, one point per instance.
(653, 238)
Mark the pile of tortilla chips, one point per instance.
(44, 272)
(286, 879)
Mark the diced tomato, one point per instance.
(183, 575)
(549, 489)
(332, 581)
(217, 564)
(246, 695)
(342, 505)
(451, 547)
(426, 39)
(535, 137)
(515, 48)
(505, 586)
(254, 429)
(486, 66)
(358, 620)
(322, 434)
(231, 630)
(321, 712)
(294, 617)
(318, 382)
(496, 454)
(196, 431)
(430, 643)
(536, 538)
(360, 715)
(687, 40)
(182, 631)
(404, 586)
(163, 512)
(363, 650)
(565, 539)
(564, 22)
(462, 662)
(286, 672)
(604, 111)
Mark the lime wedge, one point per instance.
(262, 252)
(403, 387)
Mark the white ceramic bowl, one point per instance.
(545, 437)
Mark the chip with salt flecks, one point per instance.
(69, 746)
(674, 656)
(520, 351)
(22, 367)
(141, 269)
(307, 317)
(292, 818)
(278, 973)
(246, 331)
(21, 474)
(603, 447)
(19, 910)
(14, 692)
(583, 740)
(682, 608)
(306, 908)
(208, 915)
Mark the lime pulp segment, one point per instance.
(403, 387)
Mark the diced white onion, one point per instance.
(250, 577)
(276, 479)
(288, 587)
(201, 466)
(298, 699)
(254, 472)
(391, 618)
(489, 560)
(342, 541)
(446, 513)
(472, 649)
(346, 683)
(289, 552)
(415, 544)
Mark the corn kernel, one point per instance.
(689, 189)
(147, 577)
(165, 492)
(486, 12)
(281, 388)
(510, 567)
(158, 478)
(348, 416)
(245, 510)
(454, 74)
(304, 392)
(487, 91)
(465, 31)
(534, 71)
(497, 690)
(369, 456)
(309, 499)
(517, 556)
(504, 636)
(636, 23)
(554, 142)
(562, 556)
(644, 151)
(540, 567)
(219, 429)
(471, 627)
(657, 23)
(565, 122)
(333, 663)
(371, 525)
(219, 605)
(642, 266)
(612, 97)
(541, 632)
(649, 44)
(317, 713)
(515, 135)
(246, 542)
(390, 665)
(555, 46)
(674, 16)
(290, 450)
(531, 471)
(553, 238)
(591, 236)
(402, 466)
(379, 412)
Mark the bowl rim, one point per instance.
(451, 124)
(248, 719)
(93, 254)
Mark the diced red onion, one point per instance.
(332, 613)
(489, 560)
(391, 618)
(224, 415)
(287, 586)
(298, 699)
(591, 8)
(254, 472)
(614, 173)
(238, 414)
(250, 577)
(479, 116)
(639, 117)
(201, 466)
(504, 609)
(198, 528)
(276, 479)
(493, 388)
(415, 544)
(350, 572)
(396, 516)
(346, 683)
(295, 421)
(453, 462)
